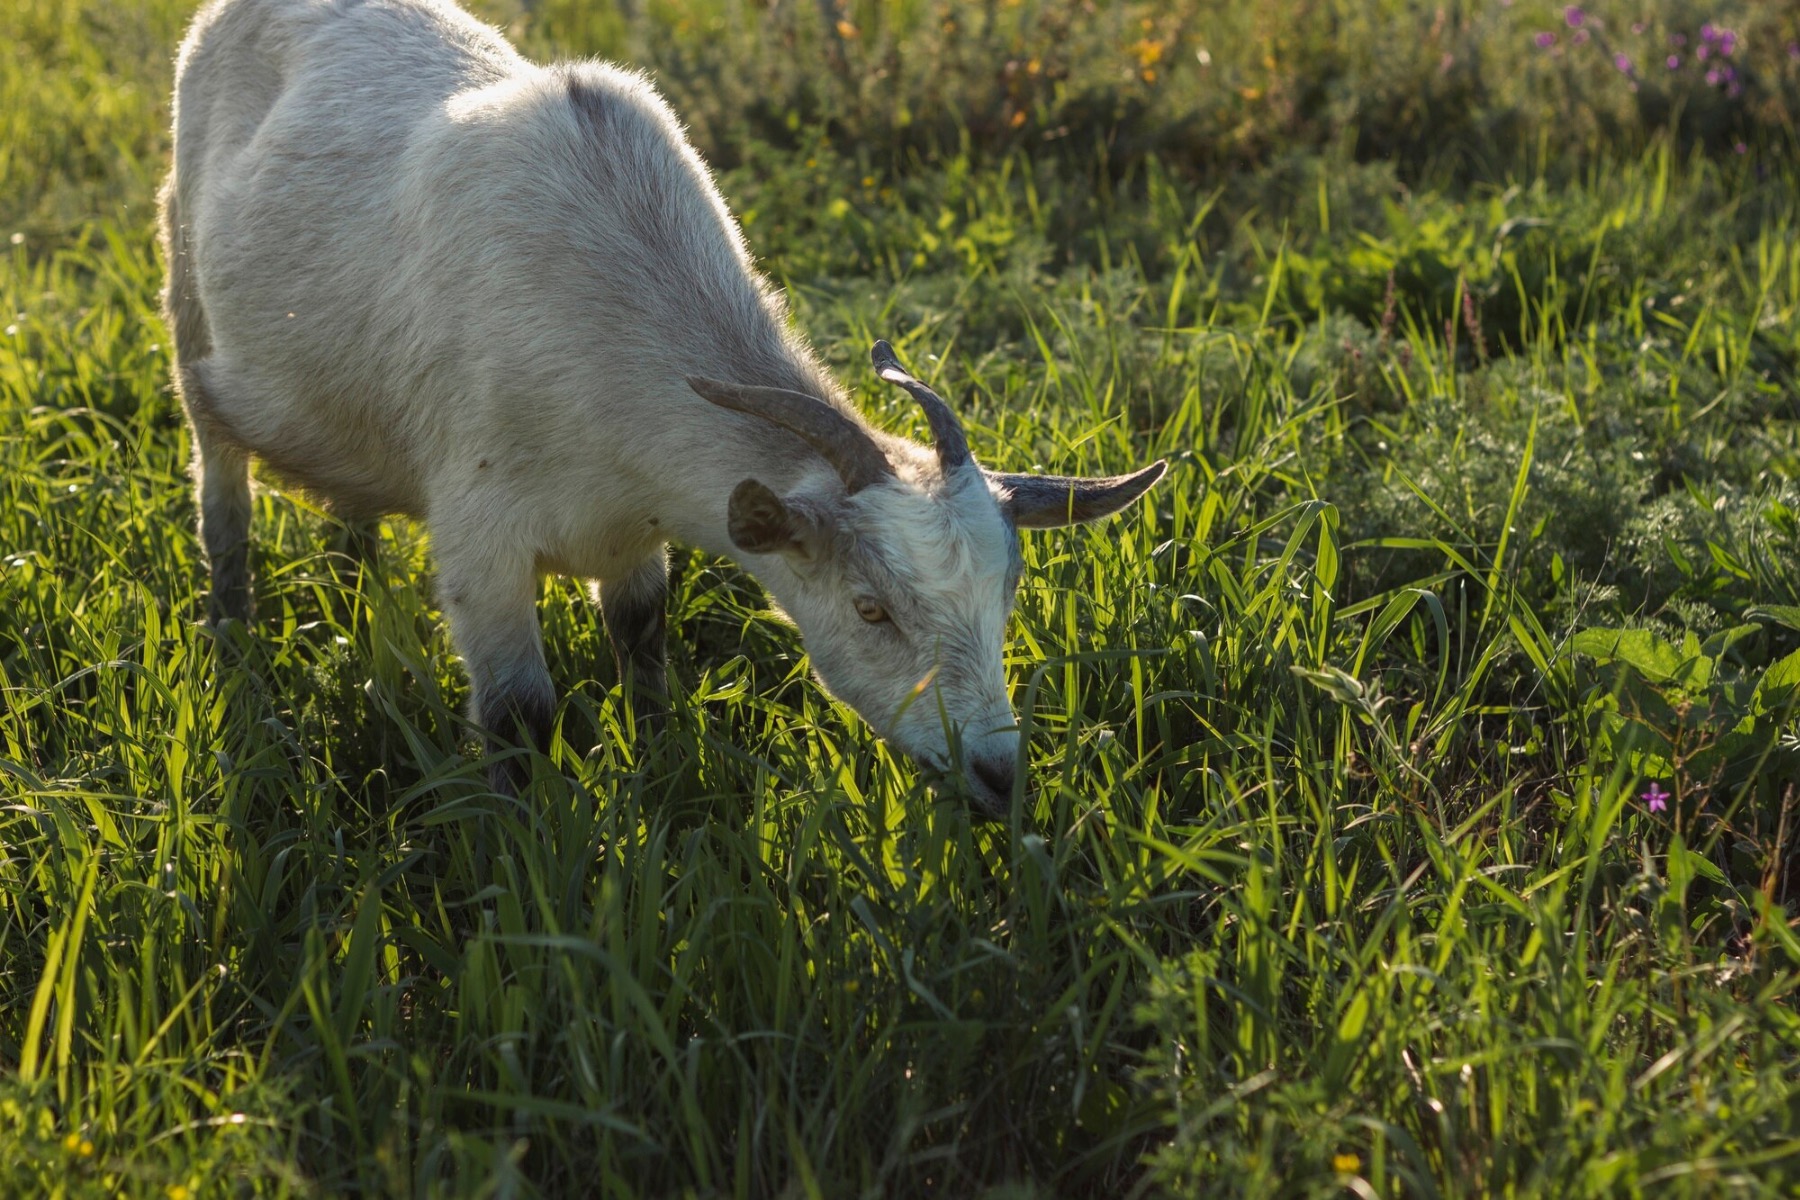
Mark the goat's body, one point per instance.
(417, 274)
(425, 276)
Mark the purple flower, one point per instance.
(1741, 148)
(1707, 32)
(1794, 49)
(1544, 40)
(1656, 800)
(1712, 78)
(1727, 43)
(1673, 62)
(1703, 52)
(1678, 39)
(1574, 16)
(1622, 61)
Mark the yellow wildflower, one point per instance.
(1147, 51)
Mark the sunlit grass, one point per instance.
(1334, 871)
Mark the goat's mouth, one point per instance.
(985, 802)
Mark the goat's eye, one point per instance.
(870, 610)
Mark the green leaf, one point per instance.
(1355, 1019)
(1651, 656)
(1773, 921)
(1348, 1043)
(1776, 614)
(1723, 642)
(1103, 1107)
(1777, 687)
(1686, 864)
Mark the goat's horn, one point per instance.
(842, 442)
(1047, 501)
(946, 430)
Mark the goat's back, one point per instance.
(409, 244)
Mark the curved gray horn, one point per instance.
(843, 443)
(946, 430)
(1046, 501)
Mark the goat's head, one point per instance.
(906, 566)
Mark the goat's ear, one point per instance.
(760, 522)
(1047, 501)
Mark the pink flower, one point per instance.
(1544, 40)
(1673, 62)
(1574, 16)
(1656, 800)
(1622, 61)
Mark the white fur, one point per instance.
(418, 274)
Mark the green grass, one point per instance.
(1483, 518)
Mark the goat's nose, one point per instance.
(996, 773)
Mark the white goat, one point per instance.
(415, 273)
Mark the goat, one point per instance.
(414, 273)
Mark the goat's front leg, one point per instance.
(488, 587)
(636, 608)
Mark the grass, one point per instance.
(1337, 874)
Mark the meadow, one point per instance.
(1415, 775)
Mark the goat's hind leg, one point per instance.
(221, 466)
(222, 486)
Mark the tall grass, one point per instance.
(1337, 871)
